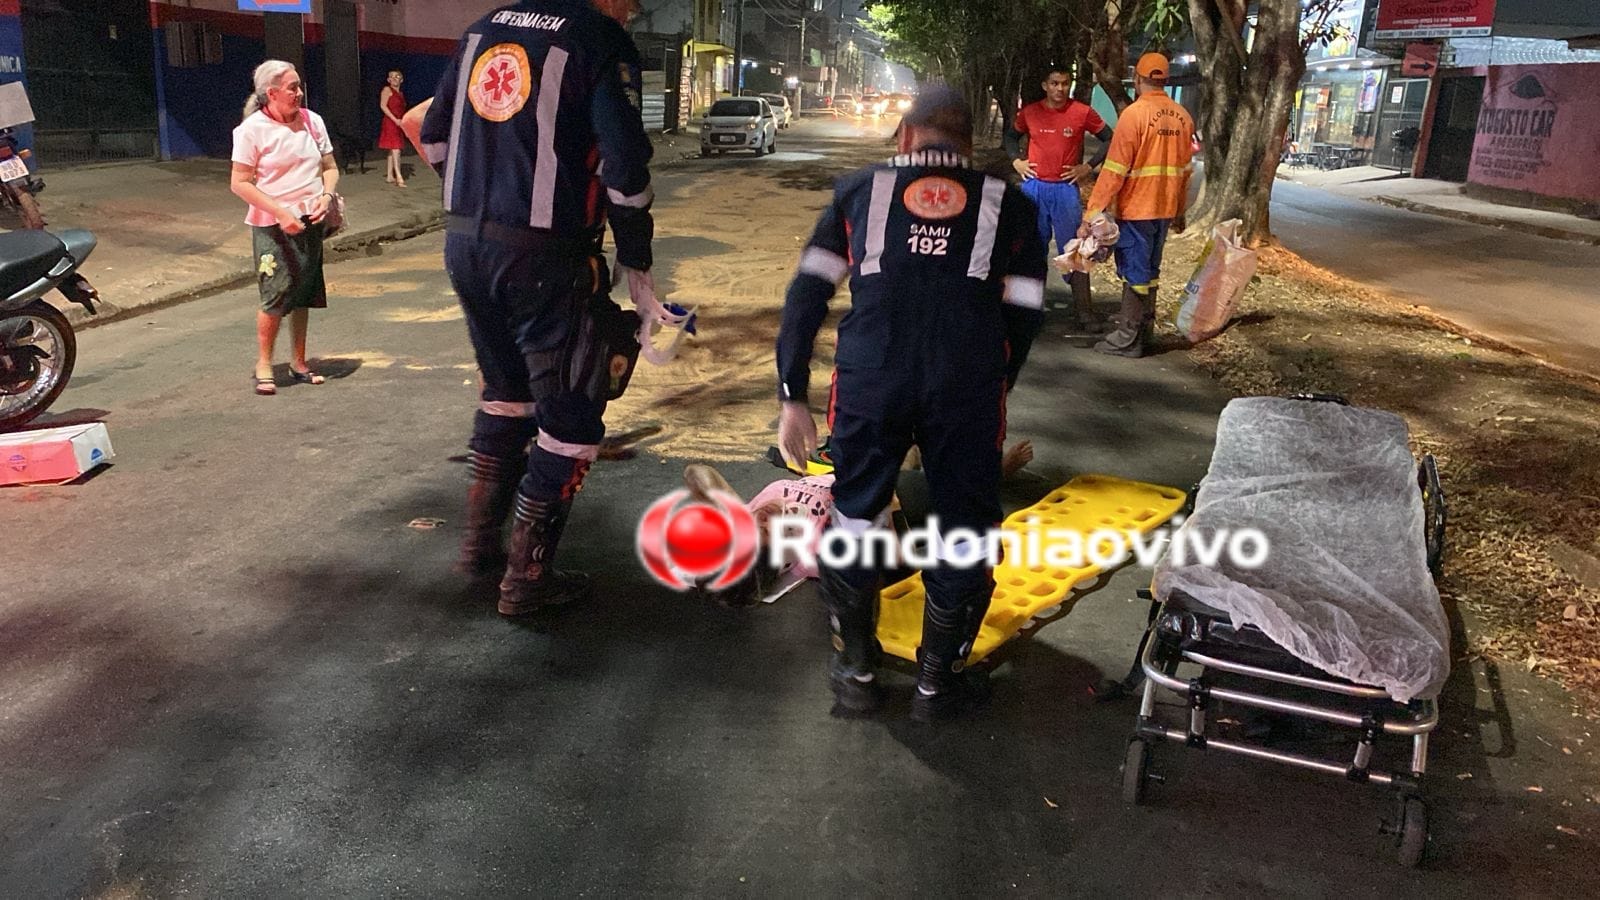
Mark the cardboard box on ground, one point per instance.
(54, 455)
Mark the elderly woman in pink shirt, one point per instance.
(283, 167)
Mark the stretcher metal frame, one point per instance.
(1367, 709)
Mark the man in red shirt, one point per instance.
(1051, 167)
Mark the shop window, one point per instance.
(191, 45)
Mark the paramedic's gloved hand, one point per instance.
(797, 434)
(641, 287)
(1083, 230)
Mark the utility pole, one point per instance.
(738, 50)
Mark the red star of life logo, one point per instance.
(935, 197)
(501, 82)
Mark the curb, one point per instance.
(1549, 231)
(344, 247)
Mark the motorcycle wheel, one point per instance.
(43, 326)
(28, 208)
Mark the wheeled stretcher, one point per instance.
(1341, 624)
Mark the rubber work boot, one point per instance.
(945, 687)
(951, 696)
(489, 500)
(853, 623)
(530, 582)
(1133, 327)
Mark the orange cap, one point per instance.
(1153, 66)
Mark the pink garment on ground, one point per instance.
(287, 158)
(811, 496)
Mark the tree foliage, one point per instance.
(996, 50)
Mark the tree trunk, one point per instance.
(1083, 77)
(1109, 54)
(1247, 105)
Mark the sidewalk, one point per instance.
(173, 231)
(1443, 198)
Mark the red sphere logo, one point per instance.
(682, 544)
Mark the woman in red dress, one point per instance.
(393, 105)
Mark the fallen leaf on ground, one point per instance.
(425, 523)
(1565, 830)
(1535, 789)
(1050, 804)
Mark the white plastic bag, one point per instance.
(1225, 269)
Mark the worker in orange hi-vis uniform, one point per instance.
(1146, 180)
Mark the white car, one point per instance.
(739, 123)
(781, 110)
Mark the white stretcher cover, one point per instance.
(1345, 586)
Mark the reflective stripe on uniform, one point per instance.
(824, 264)
(544, 171)
(1114, 167)
(463, 81)
(988, 223)
(878, 220)
(637, 201)
(508, 409)
(1153, 171)
(589, 452)
(1027, 293)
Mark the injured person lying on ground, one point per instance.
(811, 496)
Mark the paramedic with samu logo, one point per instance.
(946, 274)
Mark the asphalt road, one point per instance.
(1532, 292)
(229, 666)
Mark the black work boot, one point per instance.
(946, 688)
(489, 500)
(1133, 326)
(530, 583)
(853, 623)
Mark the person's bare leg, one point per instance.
(388, 168)
(298, 365)
(394, 163)
(266, 339)
(1083, 303)
(298, 320)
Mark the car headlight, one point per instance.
(749, 126)
(904, 105)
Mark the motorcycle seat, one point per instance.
(27, 256)
(80, 243)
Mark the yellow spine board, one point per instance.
(1085, 504)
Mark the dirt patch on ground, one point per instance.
(1518, 444)
(718, 399)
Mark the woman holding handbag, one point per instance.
(283, 166)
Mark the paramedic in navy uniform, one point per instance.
(536, 132)
(946, 272)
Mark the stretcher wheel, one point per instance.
(1135, 772)
(1413, 831)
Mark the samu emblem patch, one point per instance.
(502, 81)
(935, 198)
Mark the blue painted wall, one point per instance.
(12, 66)
(200, 106)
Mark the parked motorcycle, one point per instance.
(37, 346)
(17, 185)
